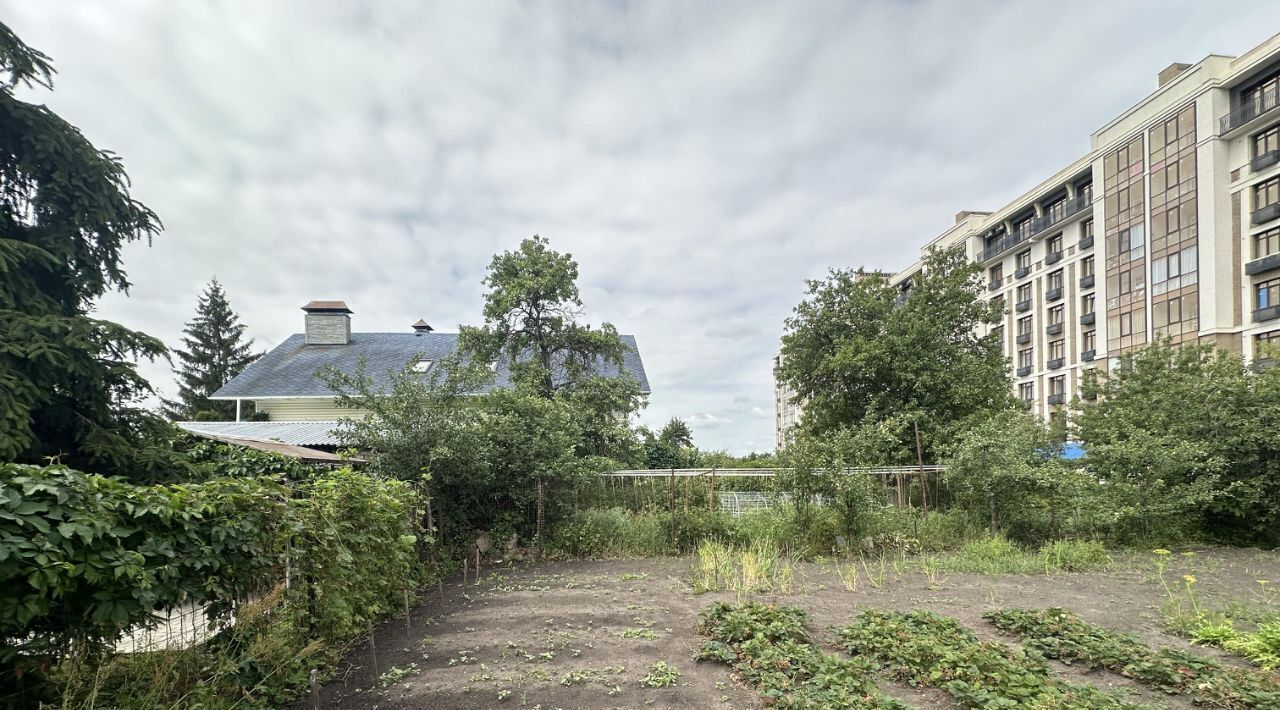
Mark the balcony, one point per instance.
(1024, 371)
(995, 284)
(1022, 306)
(1055, 363)
(1053, 294)
(1087, 356)
(1053, 329)
(1266, 263)
(1004, 244)
(1261, 315)
(1264, 161)
(1021, 272)
(1265, 214)
(1052, 258)
(1057, 398)
(1071, 208)
(1023, 338)
(1088, 318)
(1086, 281)
(1086, 242)
(1246, 112)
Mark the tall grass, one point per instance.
(757, 568)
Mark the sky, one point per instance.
(700, 160)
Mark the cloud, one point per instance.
(699, 159)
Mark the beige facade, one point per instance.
(305, 409)
(1168, 227)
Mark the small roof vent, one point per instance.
(1170, 73)
(421, 327)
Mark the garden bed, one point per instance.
(588, 634)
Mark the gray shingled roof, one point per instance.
(290, 369)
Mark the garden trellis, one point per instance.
(724, 487)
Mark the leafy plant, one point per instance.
(1058, 633)
(660, 675)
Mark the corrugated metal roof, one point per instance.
(289, 370)
(295, 433)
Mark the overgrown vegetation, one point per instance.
(1057, 633)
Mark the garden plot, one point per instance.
(625, 633)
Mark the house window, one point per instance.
(1086, 228)
(1027, 391)
(1022, 229)
(1055, 315)
(421, 365)
(1266, 194)
(1025, 357)
(1267, 294)
(1090, 340)
(1266, 243)
(1266, 141)
(1056, 349)
(997, 273)
(1024, 293)
(1055, 280)
(1087, 303)
(1084, 191)
(1024, 325)
(1175, 316)
(1058, 385)
(1024, 259)
(998, 333)
(1055, 244)
(1172, 272)
(1261, 96)
(1086, 266)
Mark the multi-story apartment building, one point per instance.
(1168, 227)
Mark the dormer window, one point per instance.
(421, 365)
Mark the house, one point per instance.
(301, 409)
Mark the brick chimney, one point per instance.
(327, 323)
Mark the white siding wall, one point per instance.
(305, 409)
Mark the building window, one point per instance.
(1172, 272)
(1266, 243)
(1266, 141)
(1087, 304)
(1056, 349)
(1022, 229)
(1024, 325)
(1055, 279)
(1261, 96)
(1055, 315)
(1086, 227)
(1024, 259)
(1086, 266)
(1024, 293)
(1055, 244)
(1055, 210)
(1175, 316)
(998, 333)
(1058, 385)
(1090, 340)
(1267, 294)
(1027, 391)
(997, 273)
(1084, 191)
(1266, 194)
(1025, 357)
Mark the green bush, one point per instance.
(88, 557)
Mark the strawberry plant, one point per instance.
(1057, 633)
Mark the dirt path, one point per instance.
(584, 634)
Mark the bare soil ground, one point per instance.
(584, 634)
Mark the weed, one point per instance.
(629, 576)
(396, 673)
(848, 576)
(637, 633)
(661, 675)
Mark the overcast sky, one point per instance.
(700, 160)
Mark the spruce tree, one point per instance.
(215, 351)
(69, 385)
